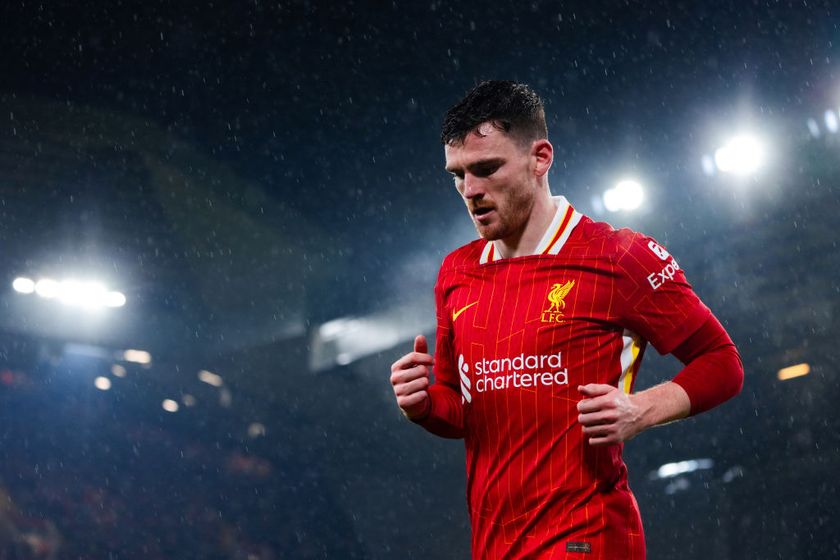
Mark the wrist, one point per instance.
(645, 411)
(423, 413)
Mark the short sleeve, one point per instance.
(655, 299)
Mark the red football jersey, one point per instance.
(515, 338)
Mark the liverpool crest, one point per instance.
(556, 296)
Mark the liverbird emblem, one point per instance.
(556, 296)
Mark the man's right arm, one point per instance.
(437, 407)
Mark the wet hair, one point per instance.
(511, 107)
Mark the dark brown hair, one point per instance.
(514, 108)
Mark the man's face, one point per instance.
(494, 175)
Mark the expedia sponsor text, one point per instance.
(656, 279)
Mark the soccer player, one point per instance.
(541, 327)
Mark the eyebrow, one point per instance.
(478, 164)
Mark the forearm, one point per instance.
(712, 374)
(662, 404)
(705, 382)
(445, 415)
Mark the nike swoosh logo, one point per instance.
(458, 313)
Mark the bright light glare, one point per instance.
(626, 195)
(23, 285)
(256, 429)
(169, 405)
(813, 128)
(225, 397)
(47, 288)
(113, 299)
(210, 378)
(742, 155)
(88, 295)
(333, 329)
(118, 370)
(137, 356)
(831, 121)
(669, 470)
(102, 383)
(794, 371)
(83, 294)
(708, 165)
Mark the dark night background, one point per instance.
(264, 182)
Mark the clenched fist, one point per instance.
(608, 415)
(410, 379)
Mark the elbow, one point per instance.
(729, 376)
(740, 372)
(713, 378)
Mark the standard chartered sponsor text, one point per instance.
(522, 371)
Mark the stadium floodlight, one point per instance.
(210, 378)
(47, 288)
(794, 371)
(113, 299)
(169, 405)
(256, 429)
(742, 155)
(137, 356)
(87, 295)
(102, 383)
(82, 294)
(670, 470)
(23, 285)
(626, 195)
(335, 328)
(90, 295)
(831, 123)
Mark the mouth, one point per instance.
(482, 214)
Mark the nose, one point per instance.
(472, 186)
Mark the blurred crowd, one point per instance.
(85, 476)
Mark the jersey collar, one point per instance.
(565, 220)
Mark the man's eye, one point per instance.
(486, 171)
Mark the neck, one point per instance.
(525, 242)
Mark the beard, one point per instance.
(511, 216)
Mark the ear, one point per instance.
(542, 153)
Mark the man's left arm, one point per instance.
(657, 302)
(713, 374)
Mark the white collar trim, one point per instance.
(558, 232)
